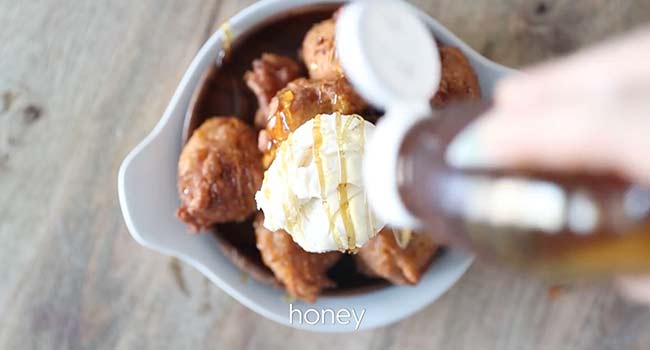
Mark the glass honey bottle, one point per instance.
(561, 225)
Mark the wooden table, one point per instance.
(81, 82)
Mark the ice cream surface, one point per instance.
(314, 187)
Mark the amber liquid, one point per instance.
(562, 226)
(342, 190)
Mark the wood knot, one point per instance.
(541, 9)
(4, 162)
(7, 100)
(31, 113)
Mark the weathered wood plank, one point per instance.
(82, 82)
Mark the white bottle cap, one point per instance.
(387, 52)
(392, 60)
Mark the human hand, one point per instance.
(588, 112)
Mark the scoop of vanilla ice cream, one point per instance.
(314, 187)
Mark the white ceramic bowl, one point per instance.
(149, 198)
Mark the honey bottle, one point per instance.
(561, 225)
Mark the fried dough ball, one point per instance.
(383, 257)
(319, 51)
(270, 73)
(458, 81)
(302, 100)
(303, 274)
(219, 171)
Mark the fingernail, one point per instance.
(469, 149)
(635, 288)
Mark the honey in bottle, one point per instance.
(561, 225)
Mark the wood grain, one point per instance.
(82, 82)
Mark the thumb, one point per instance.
(557, 138)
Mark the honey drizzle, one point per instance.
(292, 196)
(318, 143)
(369, 217)
(227, 42)
(285, 175)
(402, 237)
(286, 100)
(343, 184)
(292, 221)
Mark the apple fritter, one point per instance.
(219, 171)
(383, 257)
(458, 81)
(303, 274)
(302, 100)
(269, 74)
(319, 51)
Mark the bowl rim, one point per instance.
(241, 22)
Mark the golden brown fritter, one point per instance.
(382, 257)
(302, 100)
(319, 51)
(219, 171)
(303, 274)
(458, 81)
(270, 73)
